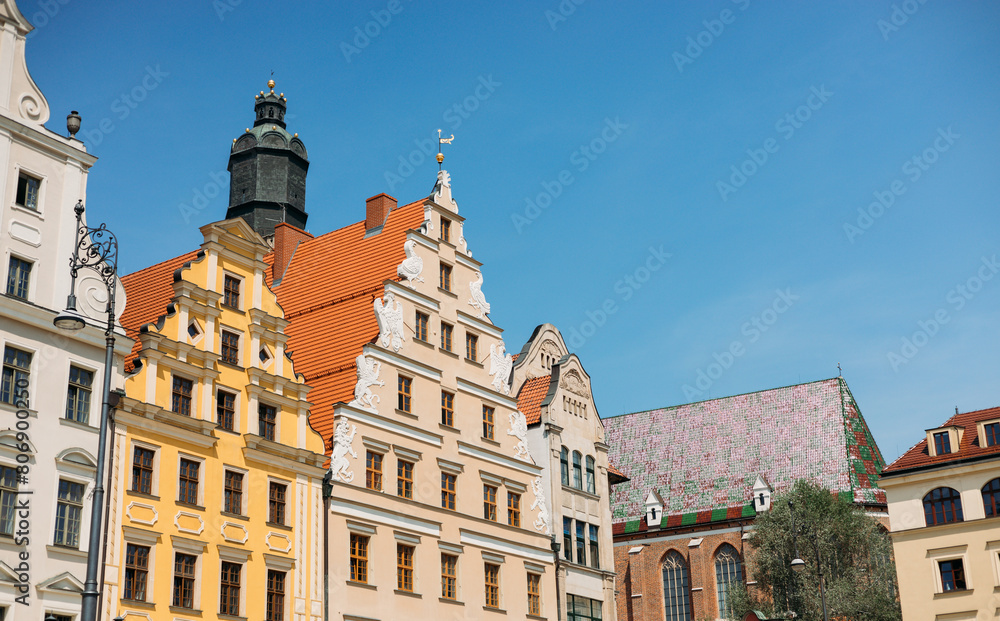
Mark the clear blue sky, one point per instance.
(670, 101)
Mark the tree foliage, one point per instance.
(855, 551)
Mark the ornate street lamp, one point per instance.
(798, 565)
(95, 249)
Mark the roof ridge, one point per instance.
(170, 260)
(361, 221)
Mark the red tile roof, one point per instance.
(616, 474)
(971, 447)
(529, 399)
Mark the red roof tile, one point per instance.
(615, 472)
(972, 445)
(529, 400)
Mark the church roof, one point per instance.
(703, 458)
(971, 446)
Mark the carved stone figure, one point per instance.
(343, 437)
(412, 265)
(390, 321)
(442, 191)
(542, 520)
(368, 371)
(574, 384)
(519, 429)
(500, 365)
(478, 300)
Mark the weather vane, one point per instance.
(441, 141)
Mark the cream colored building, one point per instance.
(944, 516)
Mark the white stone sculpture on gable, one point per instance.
(519, 429)
(390, 321)
(442, 191)
(412, 265)
(542, 520)
(343, 437)
(478, 299)
(368, 371)
(500, 365)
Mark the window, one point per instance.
(942, 506)
(942, 443)
(676, 594)
(582, 609)
(568, 539)
(276, 503)
(448, 491)
(728, 575)
(581, 543)
(142, 470)
(267, 421)
(404, 567)
(226, 409)
(577, 470)
(591, 481)
(952, 575)
(404, 390)
(564, 465)
(490, 503)
(534, 595)
(404, 478)
(514, 509)
(275, 595)
(445, 230)
(445, 277)
(992, 434)
(18, 277)
(231, 292)
(991, 498)
(187, 490)
(447, 409)
(492, 585)
(595, 557)
(8, 498)
(184, 567)
(420, 329)
(230, 347)
(136, 571)
(14, 382)
(449, 564)
(78, 398)
(180, 398)
(233, 495)
(69, 513)
(359, 558)
(193, 330)
(471, 347)
(27, 191)
(373, 471)
(488, 426)
(229, 596)
(446, 333)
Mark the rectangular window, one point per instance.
(447, 330)
(514, 509)
(404, 391)
(488, 422)
(420, 328)
(582, 609)
(591, 479)
(449, 580)
(8, 500)
(942, 443)
(404, 567)
(492, 585)
(373, 471)
(230, 347)
(490, 503)
(448, 491)
(952, 575)
(136, 572)
(275, 595)
(14, 382)
(187, 489)
(595, 557)
(445, 230)
(78, 397)
(142, 470)
(27, 191)
(404, 478)
(359, 558)
(184, 568)
(276, 503)
(581, 543)
(226, 410)
(229, 595)
(472, 347)
(992, 434)
(534, 595)
(231, 292)
(180, 397)
(18, 277)
(445, 277)
(69, 513)
(447, 409)
(233, 494)
(568, 539)
(267, 420)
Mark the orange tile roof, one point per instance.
(971, 447)
(616, 472)
(529, 399)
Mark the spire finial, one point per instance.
(270, 84)
(441, 141)
(840, 372)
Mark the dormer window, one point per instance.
(991, 431)
(944, 440)
(654, 509)
(942, 443)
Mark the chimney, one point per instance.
(286, 240)
(377, 210)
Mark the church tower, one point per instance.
(267, 168)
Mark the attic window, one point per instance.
(942, 443)
(992, 433)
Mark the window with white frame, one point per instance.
(69, 514)
(78, 394)
(15, 376)
(28, 187)
(18, 278)
(188, 480)
(8, 498)
(143, 469)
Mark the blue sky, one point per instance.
(768, 149)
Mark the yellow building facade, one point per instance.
(217, 476)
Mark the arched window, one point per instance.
(577, 470)
(676, 594)
(728, 574)
(564, 465)
(942, 505)
(991, 498)
(591, 482)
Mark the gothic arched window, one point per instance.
(991, 498)
(728, 574)
(942, 505)
(676, 593)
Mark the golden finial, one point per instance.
(441, 141)
(274, 127)
(270, 84)
(234, 141)
(248, 130)
(296, 135)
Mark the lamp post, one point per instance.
(798, 565)
(95, 249)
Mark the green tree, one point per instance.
(855, 551)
